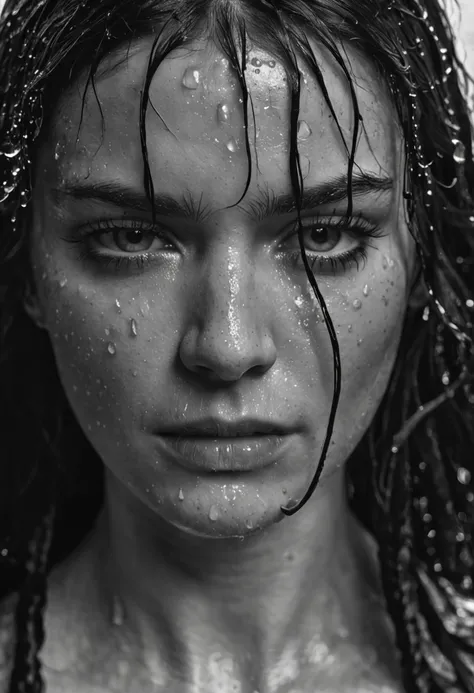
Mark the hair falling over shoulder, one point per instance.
(410, 480)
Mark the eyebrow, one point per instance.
(266, 204)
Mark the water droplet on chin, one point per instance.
(357, 304)
(111, 348)
(133, 327)
(191, 78)
(304, 131)
(223, 112)
(213, 513)
(181, 494)
(232, 145)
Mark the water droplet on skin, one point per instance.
(118, 611)
(111, 348)
(256, 62)
(181, 494)
(117, 305)
(304, 131)
(57, 151)
(63, 283)
(299, 301)
(223, 112)
(11, 150)
(107, 331)
(191, 78)
(464, 475)
(133, 327)
(232, 145)
(271, 63)
(249, 524)
(359, 342)
(366, 290)
(349, 328)
(357, 304)
(213, 513)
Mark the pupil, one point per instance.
(134, 236)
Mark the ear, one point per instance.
(32, 306)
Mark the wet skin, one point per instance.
(217, 317)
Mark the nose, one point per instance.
(228, 331)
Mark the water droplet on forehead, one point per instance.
(232, 145)
(223, 112)
(191, 78)
(133, 327)
(111, 348)
(213, 513)
(304, 131)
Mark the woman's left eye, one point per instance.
(128, 237)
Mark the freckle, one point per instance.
(133, 327)
(232, 145)
(366, 290)
(191, 78)
(111, 348)
(357, 304)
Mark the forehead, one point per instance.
(195, 122)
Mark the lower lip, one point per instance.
(225, 454)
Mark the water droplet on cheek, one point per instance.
(191, 78)
(366, 290)
(223, 113)
(357, 304)
(118, 306)
(133, 328)
(304, 131)
(111, 348)
(232, 145)
(213, 513)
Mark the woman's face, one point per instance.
(210, 315)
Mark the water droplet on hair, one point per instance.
(357, 304)
(11, 150)
(232, 145)
(181, 494)
(133, 327)
(111, 348)
(464, 475)
(459, 154)
(223, 112)
(366, 290)
(117, 305)
(191, 78)
(304, 131)
(213, 513)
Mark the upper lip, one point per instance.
(217, 428)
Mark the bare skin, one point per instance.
(219, 592)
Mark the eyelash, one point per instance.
(356, 225)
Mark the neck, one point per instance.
(309, 581)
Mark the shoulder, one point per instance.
(7, 639)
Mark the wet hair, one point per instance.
(409, 481)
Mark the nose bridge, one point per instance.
(228, 333)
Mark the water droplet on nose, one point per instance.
(117, 305)
(304, 131)
(63, 283)
(181, 494)
(366, 290)
(223, 112)
(232, 145)
(357, 304)
(191, 78)
(133, 327)
(213, 513)
(111, 348)
(459, 155)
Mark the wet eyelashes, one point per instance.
(132, 243)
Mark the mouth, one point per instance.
(221, 454)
